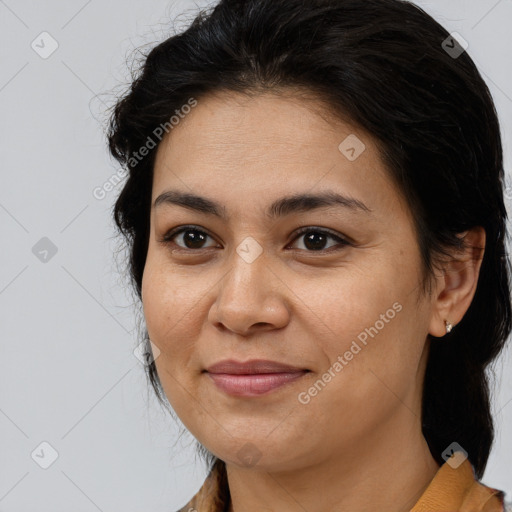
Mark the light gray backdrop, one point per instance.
(79, 429)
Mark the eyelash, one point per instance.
(167, 238)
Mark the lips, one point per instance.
(252, 367)
(252, 378)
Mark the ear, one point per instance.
(456, 283)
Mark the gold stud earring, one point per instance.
(449, 326)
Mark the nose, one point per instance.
(250, 298)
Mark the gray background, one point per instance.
(68, 373)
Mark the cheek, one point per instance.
(371, 366)
(174, 312)
(164, 310)
(154, 299)
(342, 308)
(168, 299)
(168, 307)
(370, 323)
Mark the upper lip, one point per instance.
(251, 367)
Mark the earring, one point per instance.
(449, 326)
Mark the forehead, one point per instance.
(264, 143)
(251, 125)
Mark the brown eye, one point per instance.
(316, 239)
(191, 238)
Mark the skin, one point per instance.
(357, 445)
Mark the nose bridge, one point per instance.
(248, 277)
(247, 295)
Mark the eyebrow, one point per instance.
(296, 203)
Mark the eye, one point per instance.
(316, 239)
(191, 237)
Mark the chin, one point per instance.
(258, 452)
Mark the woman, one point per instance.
(316, 223)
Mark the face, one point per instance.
(328, 284)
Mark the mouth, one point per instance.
(252, 378)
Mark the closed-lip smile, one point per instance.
(254, 377)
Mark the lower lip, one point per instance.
(254, 384)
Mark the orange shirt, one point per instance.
(453, 489)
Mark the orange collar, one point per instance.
(453, 489)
